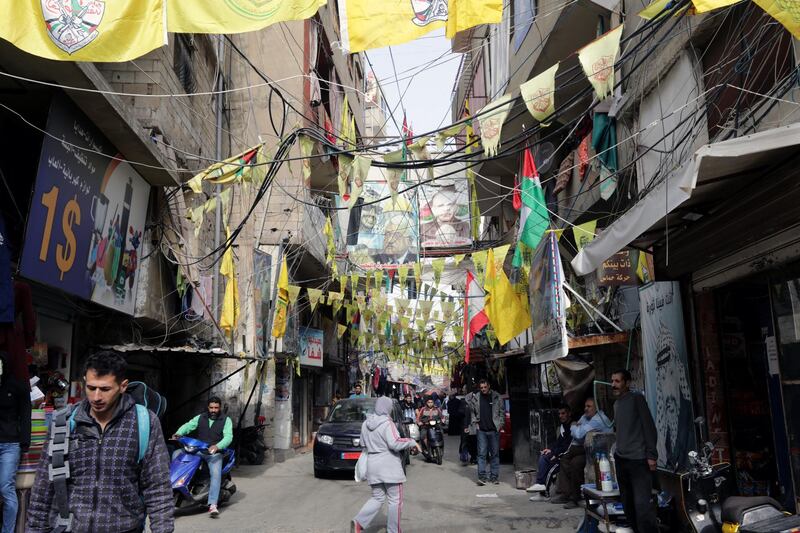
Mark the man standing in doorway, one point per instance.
(15, 438)
(487, 416)
(637, 453)
(216, 429)
(108, 488)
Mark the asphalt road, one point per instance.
(286, 498)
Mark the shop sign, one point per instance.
(311, 342)
(87, 216)
(619, 269)
(666, 368)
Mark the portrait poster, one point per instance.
(666, 369)
(548, 302)
(311, 351)
(382, 231)
(444, 217)
(88, 212)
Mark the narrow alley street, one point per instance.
(287, 499)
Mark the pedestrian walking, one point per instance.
(487, 416)
(108, 489)
(573, 461)
(15, 438)
(381, 441)
(637, 453)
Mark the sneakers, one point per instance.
(538, 487)
(481, 482)
(355, 527)
(571, 505)
(213, 512)
(495, 482)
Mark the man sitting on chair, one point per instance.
(549, 456)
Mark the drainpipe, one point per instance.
(218, 189)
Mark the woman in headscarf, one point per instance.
(385, 474)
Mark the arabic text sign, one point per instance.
(618, 269)
(311, 341)
(87, 214)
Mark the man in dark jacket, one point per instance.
(487, 417)
(108, 490)
(216, 429)
(637, 453)
(15, 438)
(549, 456)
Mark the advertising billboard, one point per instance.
(87, 216)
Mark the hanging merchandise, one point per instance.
(213, 16)
(604, 142)
(84, 31)
(534, 218)
(597, 60)
(491, 119)
(584, 233)
(539, 95)
(506, 313)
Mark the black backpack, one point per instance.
(150, 398)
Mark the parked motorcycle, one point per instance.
(189, 475)
(250, 446)
(709, 506)
(432, 441)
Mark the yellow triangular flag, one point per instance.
(702, 6)
(437, 265)
(539, 95)
(402, 275)
(379, 279)
(597, 60)
(500, 254)
(584, 233)
(458, 258)
(294, 292)
(785, 12)
(340, 329)
(491, 119)
(313, 297)
(306, 150)
(418, 274)
(345, 169)
(558, 232)
(479, 260)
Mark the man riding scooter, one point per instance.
(427, 413)
(215, 429)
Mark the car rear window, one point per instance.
(352, 411)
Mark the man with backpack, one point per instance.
(98, 472)
(216, 430)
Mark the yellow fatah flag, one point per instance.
(340, 329)
(282, 303)
(785, 12)
(505, 311)
(539, 95)
(702, 6)
(465, 14)
(236, 168)
(294, 292)
(597, 60)
(85, 30)
(314, 296)
(491, 119)
(584, 233)
(235, 16)
(230, 301)
(642, 270)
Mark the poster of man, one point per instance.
(444, 215)
(667, 371)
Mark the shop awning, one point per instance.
(174, 350)
(709, 163)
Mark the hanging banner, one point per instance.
(539, 95)
(444, 217)
(597, 60)
(548, 302)
(262, 270)
(311, 342)
(386, 230)
(87, 215)
(666, 370)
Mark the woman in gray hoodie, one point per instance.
(380, 439)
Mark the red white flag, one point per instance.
(475, 318)
(408, 135)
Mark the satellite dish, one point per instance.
(544, 157)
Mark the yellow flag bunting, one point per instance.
(597, 60)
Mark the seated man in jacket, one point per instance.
(570, 477)
(549, 456)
